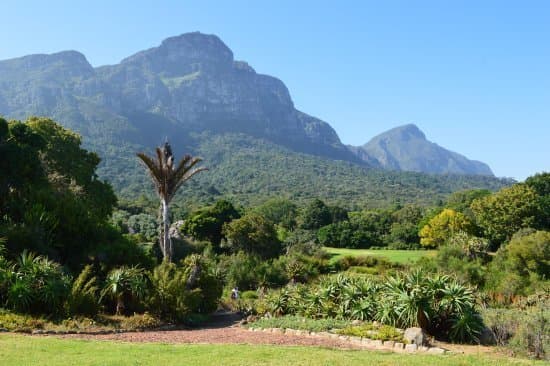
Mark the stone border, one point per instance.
(358, 341)
(88, 332)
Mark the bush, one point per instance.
(524, 329)
(299, 323)
(371, 331)
(437, 303)
(522, 266)
(83, 297)
(168, 295)
(140, 322)
(34, 284)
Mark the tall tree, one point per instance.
(168, 178)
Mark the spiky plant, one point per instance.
(83, 298)
(168, 178)
(125, 283)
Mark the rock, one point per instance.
(423, 348)
(436, 351)
(411, 347)
(356, 322)
(377, 343)
(415, 336)
(398, 346)
(389, 344)
(37, 331)
(487, 337)
(3, 330)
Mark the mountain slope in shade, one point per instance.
(406, 148)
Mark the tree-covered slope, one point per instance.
(249, 170)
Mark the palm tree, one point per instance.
(167, 179)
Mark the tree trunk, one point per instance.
(120, 305)
(166, 243)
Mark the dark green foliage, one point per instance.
(364, 229)
(253, 234)
(315, 215)
(540, 183)
(203, 282)
(127, 287)
(207, 223)
(51, 200)
(170, 298)
(83, 297)
(279, 211)
(33, 284)
(521, 266)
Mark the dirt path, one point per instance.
(223, 329)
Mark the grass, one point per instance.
(18, 350)
(396, 256)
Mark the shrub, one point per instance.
(524, 329)
(371, 331)
(522, 266)
(36, 285)
(83, 299)
(299, 323)
(168, 295)
(140, 322)
(127, 286)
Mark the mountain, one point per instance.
(188, 83)
(406, 148)
(191, 90)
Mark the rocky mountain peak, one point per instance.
(184, 54)
(403, 133)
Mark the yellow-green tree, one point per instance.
(502, 214)
(442, 227)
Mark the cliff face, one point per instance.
(406, 148)
(188, 83)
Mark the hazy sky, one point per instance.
(473, 75)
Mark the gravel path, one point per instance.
(223, 329)
(234, 335)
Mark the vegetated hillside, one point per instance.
(406, 148)
(191, 90)
(249, 170)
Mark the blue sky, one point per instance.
(473, 75)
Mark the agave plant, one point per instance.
(37, 285)
(168, 178)
(125, 283)
(466, 327)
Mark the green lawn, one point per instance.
(397, 256)
(27, 350)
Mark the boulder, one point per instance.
(415, 336)
(487, 337)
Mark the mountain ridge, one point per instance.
(406, 148)
(188, 86)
